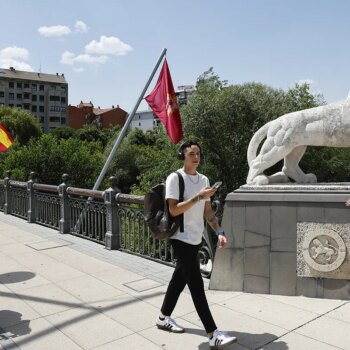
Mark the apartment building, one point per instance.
(86, 113)
(43, 95)
(144, 120)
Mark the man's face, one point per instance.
(192, 156)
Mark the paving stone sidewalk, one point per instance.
(64, 292)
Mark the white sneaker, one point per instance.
(220, 340)
(169, 324)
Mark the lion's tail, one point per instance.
(255, 142)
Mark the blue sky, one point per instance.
(108, 48)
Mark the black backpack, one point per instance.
(156, 211)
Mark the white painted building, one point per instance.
(144, 120)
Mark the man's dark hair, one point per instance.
(184, 145)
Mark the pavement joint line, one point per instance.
(312, 320)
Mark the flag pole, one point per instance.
(127, 122)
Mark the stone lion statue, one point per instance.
(288, 136)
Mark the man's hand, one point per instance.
(222, 241)
(206, 192)
(347, 203)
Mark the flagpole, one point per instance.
(127, 122)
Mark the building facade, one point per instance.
(144, 120)
(85, 113)
(43, 95)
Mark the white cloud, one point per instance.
(78, 69)
(305, 81)
(71, 58)
(14, 56)
(81, 27)
(108, 46)
(55, 31)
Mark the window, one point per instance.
(19, 96)
(11, 105)
(63, 109)
(41, 87)
(54, 119)
(19, 85)
(2, 94)
(139, 123)
(26, 96)
(63, 120)
(52, 87)
(42, 119)
(26, 85)
(34, 87)
(63, 99)
(11, 85)
(34, 108)
(52, 108)
(26, 106)
(54, 98)
(41, 109)
(11, 96)
(2, 105)
(41, 98)
(63, 88)
(34, 97)
(19, 106)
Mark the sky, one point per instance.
(107, 49)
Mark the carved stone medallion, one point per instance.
(322, 250)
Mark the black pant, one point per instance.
(187, 271)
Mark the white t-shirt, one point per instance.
(194, 217)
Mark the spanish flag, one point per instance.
(163, 102)
(5, 139)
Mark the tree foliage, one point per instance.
(21, 124)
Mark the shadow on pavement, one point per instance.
(10, 320)
(16, 277)
(249, 341)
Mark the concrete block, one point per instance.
(283, 273)
(307, 287)
(336, 213)
(238, 224)
(336, 289)
(283, 227)
(257, 261)
(256, 284)
(227, 274)
(258, 217)
(310, 212)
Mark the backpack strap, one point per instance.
(181, 197)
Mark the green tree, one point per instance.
(50, 158)
(63, 132)
(224, 118)
(21, 124)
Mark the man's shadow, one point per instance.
(249, 340)
(11, 322)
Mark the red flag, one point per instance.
(5, 139)
(163, 102)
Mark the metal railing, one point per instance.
(106, 217)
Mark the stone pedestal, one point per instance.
(286, 239)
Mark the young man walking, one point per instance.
(186, 244)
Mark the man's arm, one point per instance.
(212, 220)
(177, 208)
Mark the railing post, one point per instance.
(65, 211)
(112, 241)
(7, 193)
(31, 197)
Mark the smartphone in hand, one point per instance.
(217, 185)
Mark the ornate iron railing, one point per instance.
(47, 206)
(2, 195)
(19, 199)
(88, 217)
(108, 217)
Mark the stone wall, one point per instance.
(280, 237)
